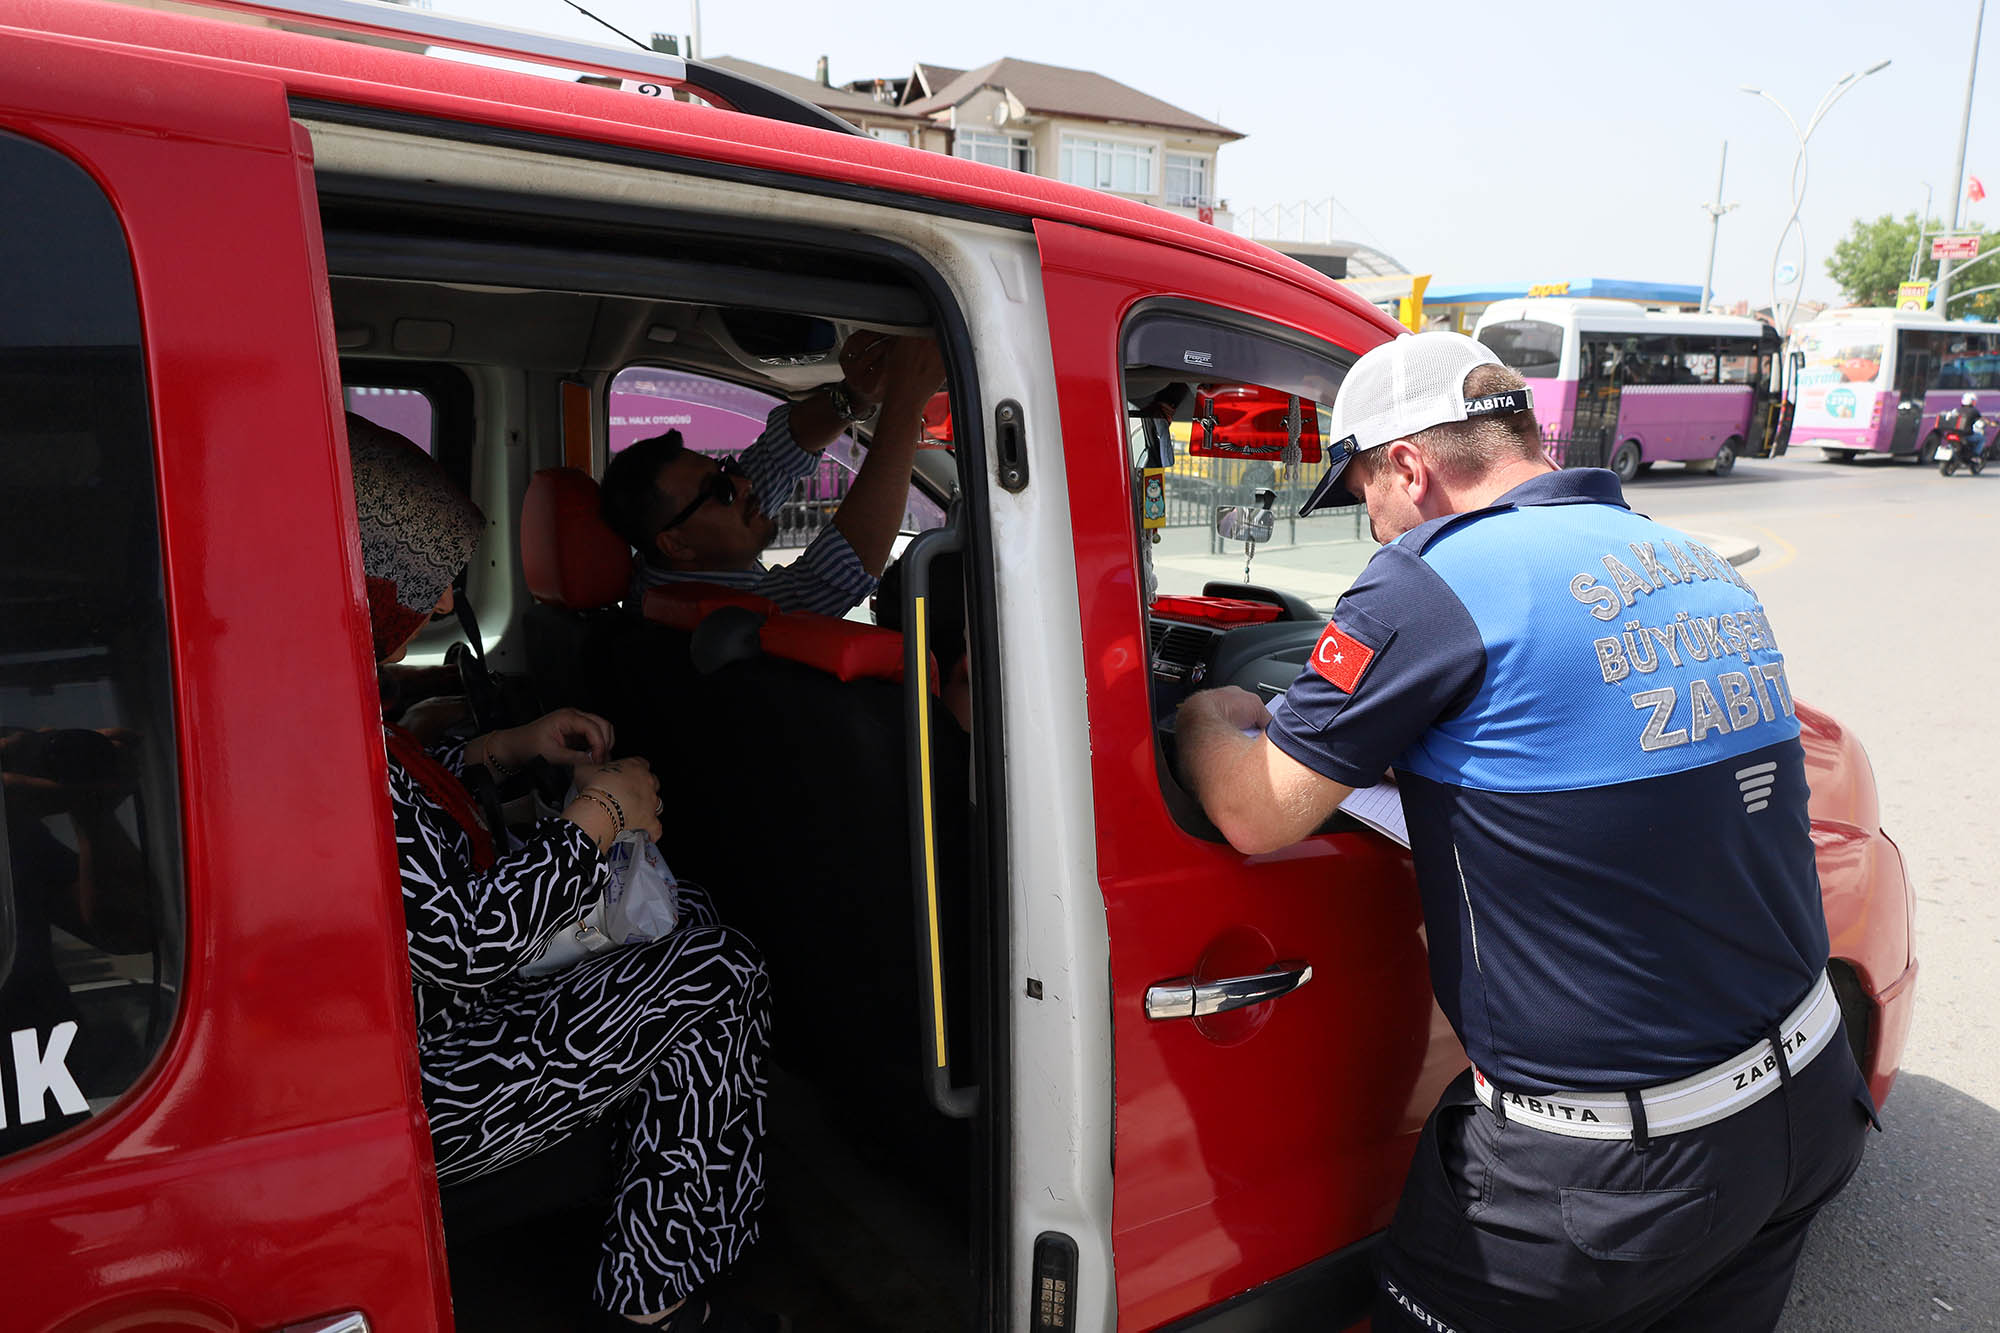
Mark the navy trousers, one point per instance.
(1504, 1228)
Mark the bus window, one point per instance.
(1528, 347)
(1698, 361)
(408, 412)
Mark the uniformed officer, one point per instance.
(1588, 717)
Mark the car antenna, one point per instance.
(594, 19)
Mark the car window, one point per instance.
(720, 418)
(91, 906)
(1221, 435)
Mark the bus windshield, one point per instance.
(1531, 348)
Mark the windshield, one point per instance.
(1530, 347)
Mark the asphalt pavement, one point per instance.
(1878, 579)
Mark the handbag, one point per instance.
(641, 903)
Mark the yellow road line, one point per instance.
(1787, 552)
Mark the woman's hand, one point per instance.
(567, 737)
(625, 786)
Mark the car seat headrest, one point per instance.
(568, 555)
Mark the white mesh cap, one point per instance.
(1404, 386)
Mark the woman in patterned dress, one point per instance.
(665, 1040)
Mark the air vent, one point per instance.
(1178, 649)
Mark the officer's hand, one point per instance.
(1238, 707)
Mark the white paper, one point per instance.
(1380, 807)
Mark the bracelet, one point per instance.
(609, 804)
(617, 810)
(501, 768)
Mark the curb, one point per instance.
(1736, 550)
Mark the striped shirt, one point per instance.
(827, 578)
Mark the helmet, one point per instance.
(1969, 399)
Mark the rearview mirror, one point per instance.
(1247, 523)
(1250, 421)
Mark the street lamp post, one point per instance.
(1715, 212)
(1792, 223)
(1958, 172)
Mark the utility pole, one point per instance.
(1923, 225)
(1958, 172)
(1715, 212)
(694, 37)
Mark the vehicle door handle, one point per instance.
(351, 1322)
(1183, 997)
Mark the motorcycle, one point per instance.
(1958, 449)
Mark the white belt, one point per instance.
(1700, 1099)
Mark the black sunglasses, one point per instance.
(719, 486)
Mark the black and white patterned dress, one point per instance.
(667, 1040)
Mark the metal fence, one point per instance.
(1585, 446)
(1197, 490)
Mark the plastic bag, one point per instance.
(641, 903)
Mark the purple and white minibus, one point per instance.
(1873, 380)
(1652, 387)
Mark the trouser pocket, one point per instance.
(1637, 1225)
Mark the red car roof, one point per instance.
(351, 72)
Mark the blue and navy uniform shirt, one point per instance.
(1588, 717)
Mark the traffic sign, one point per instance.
(1955, 247)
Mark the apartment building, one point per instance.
(1066, 124)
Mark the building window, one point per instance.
(1108, 164)
(92, 915)
(997, 150)
(1187, 180)
(889, 135)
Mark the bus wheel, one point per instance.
(1933, 449)
(1725, 457)
(1838, 455)
(1625, 460)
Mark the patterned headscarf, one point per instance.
(417, 530)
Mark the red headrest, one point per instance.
(567, 553)
(685, 605)
(844, 649)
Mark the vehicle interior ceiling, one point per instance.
(873, 1216)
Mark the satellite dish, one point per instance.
(1001, 112)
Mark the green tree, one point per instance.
(1874, 257)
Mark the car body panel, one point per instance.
(273, 1164)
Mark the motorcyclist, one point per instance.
(1964, 423)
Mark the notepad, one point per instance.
(1380, 807)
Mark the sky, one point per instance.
(1481, 143)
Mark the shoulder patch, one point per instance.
(1340, 658)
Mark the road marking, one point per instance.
(1786, 553)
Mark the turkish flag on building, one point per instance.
(1341, 658)
(1975, 191)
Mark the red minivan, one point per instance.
(1050, 1054)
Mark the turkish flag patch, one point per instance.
(1341, 658)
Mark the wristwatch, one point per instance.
(845, 405)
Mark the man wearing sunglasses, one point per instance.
(693, 518)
